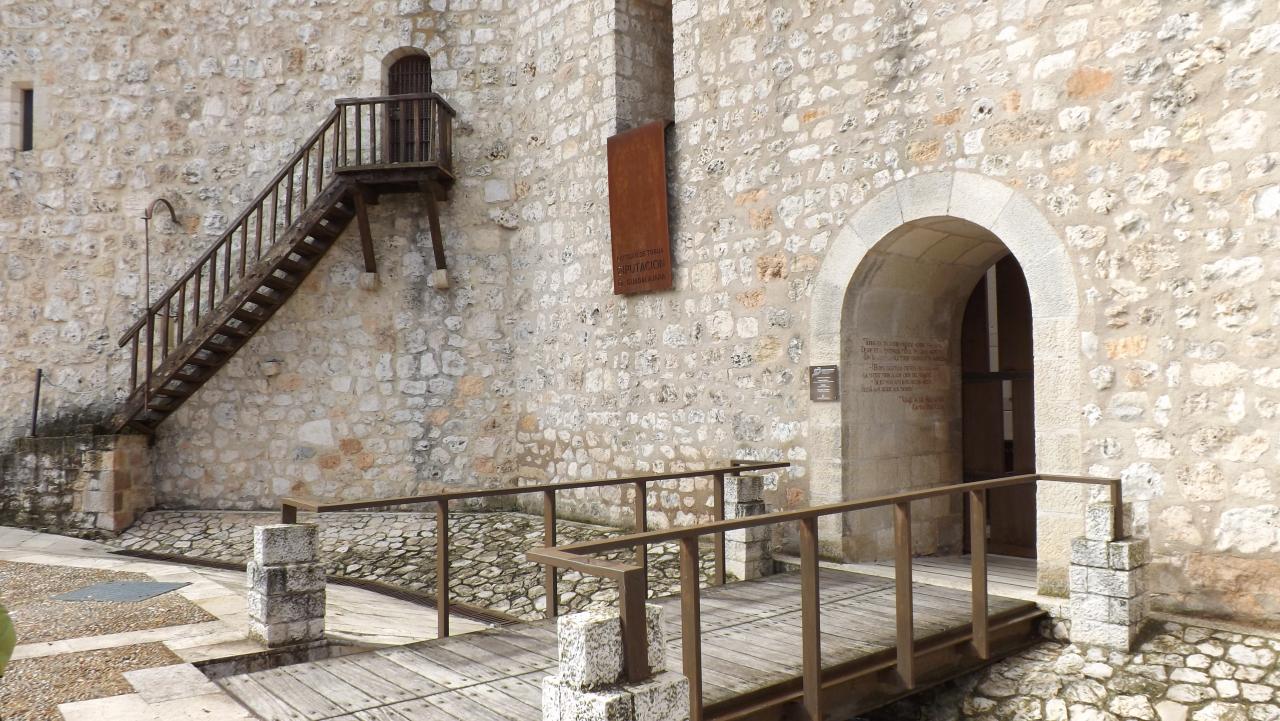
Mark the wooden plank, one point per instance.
(258, 699)
(381, 713)
(501, 704)
(810, 625)
(458, 705)
(333, 689)
(503, 658)
(309, 702)
(450, 675)
(362, 666)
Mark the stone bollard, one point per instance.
(1108, 584)
(588, 685)
(746, 550)
(286, 585)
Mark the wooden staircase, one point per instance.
(235, 287)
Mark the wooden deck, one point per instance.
(751, 653)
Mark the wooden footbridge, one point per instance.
(815, 644)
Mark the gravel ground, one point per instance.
(32, 688)
(26, 589)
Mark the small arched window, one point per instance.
(409, 74)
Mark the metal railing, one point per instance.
(289, 508)
(629, 578)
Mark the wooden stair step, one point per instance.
(218, 346)
(264, 300)
(242, 331)
(276, 282)
(211, 360)
(294, 266)
(312, 250)
(320, 231)
(339, 212)
(194, 378)
(173, 392)
(245, 315)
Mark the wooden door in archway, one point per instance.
(408, 128)
(999, 405)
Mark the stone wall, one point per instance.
(75, 484)
(1142, 133)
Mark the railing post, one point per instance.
(691, 623)
(902, 585)
(288, 513)
(717, 511)
(810, 619)
(635, 642)
(442, 569)
(978, 575)
(549, 539)
(641, 507)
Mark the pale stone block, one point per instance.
(563, 701)
(368, 281)
(1118, 584)
(440, 279)
(743, 489)
(1087, 552)
(590, 649)
(1098, 522)
(286, 633)
(878, 217)
(755, 534)
(656, 636)
(743, 510)
(285, 543)
(1128, 554)
(278, 580)
(925, 196)
(664, 697)
(1119, 637)
(286, 608)
(978, 198)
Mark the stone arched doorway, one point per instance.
(888, 308)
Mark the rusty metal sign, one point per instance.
(824, 383)
(638, 209)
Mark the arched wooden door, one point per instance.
(408, 125)
(999, 406)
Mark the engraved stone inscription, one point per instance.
(909, 368)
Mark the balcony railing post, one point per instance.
(641, 508)
(902, 585)
(691, 623)
(442, 569)
(717, 511)
(635, 642)
(810, 619)
(549, 538)
(978, 574)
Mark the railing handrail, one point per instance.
(675, 534)
(629, 578)
(405, 96)
(317, 506)
(261, 197)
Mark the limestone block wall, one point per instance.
(84, 484)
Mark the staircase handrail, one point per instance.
(272, 186)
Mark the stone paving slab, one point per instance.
(487, 550)
(1180, 672)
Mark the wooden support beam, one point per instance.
(366, 237)
(902, 584)
(430, 193)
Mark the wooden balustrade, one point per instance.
(815, 678)
(360, 133)
(634, 578)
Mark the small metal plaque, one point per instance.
(120, 591)
(824, 383)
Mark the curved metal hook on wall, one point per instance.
(146, 282)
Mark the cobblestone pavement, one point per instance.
(1179, 673)
(487, 565)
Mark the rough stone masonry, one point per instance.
(1137, 139)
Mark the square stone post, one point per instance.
(746, 551)
(286, 585)
(1108, 584)
(589, 686)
